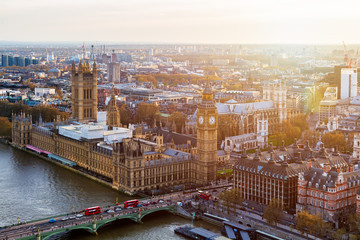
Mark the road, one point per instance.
(32, 228)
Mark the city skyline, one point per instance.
(200, 22)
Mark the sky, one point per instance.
(185, 21)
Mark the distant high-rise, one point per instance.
(11, 60)
(8, 61)
(19, 61)
(28, 61)
(273, 60)
(348, 83)
(151, 51)
(113, 69)
(114, 72)
(4, 61)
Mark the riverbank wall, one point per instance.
(67, 167)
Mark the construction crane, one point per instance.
(346, 59)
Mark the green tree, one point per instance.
(5, 127)
(311, 136)
(230, 199)
(311, 224)
(179, 119)
(146, 112)
(300, 121)
(339, 234)
(125, 115)
(273, 213)
(334, 139)
(227, 127)
(354, 225)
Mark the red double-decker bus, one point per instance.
(92, 210)
(131, 203)
(204, 196)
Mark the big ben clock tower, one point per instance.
(207, 123)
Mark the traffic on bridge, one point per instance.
(90, 219)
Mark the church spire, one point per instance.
(113, 114)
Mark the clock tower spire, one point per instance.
(207, 123)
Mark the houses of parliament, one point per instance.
(132, 161)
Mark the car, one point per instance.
(117, 209)
(79, 215)
(64, 218)
(146, 204)
(240, 222)
(248, 225)
(245, 203)
(153, 202)
(130, 207)
(160, 201)
(52, 220)
(110, 211)
(242, 208)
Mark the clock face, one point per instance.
(201, 119)
(212, 120)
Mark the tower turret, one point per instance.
(84, 93)
(113, 114)
(207, 123)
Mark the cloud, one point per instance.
(188, 21)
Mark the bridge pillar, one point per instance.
(139, 216)
(39, 235)
(94, 227)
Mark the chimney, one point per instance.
(308, 164)
(327, 168)
(351, 167)
(297, 156)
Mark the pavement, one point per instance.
(32, 228)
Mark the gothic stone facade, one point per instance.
(134, 164)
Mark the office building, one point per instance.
(4, 61)
(348, 87)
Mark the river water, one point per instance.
(32, 188)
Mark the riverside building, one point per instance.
(274, 174)
(105, 148)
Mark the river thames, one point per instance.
(32, 188)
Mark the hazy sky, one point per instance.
(185, 21)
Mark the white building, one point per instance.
(40, 92)
(273, 60)
(237, 143)
(277, 94)
(356, 147)
(220, 62)
(262, 131)
(114, 72)
(348, 83)
(95, 132)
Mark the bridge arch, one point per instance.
(154, 210)
(64, 230)
(103, 223)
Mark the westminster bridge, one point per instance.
(43, 229)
